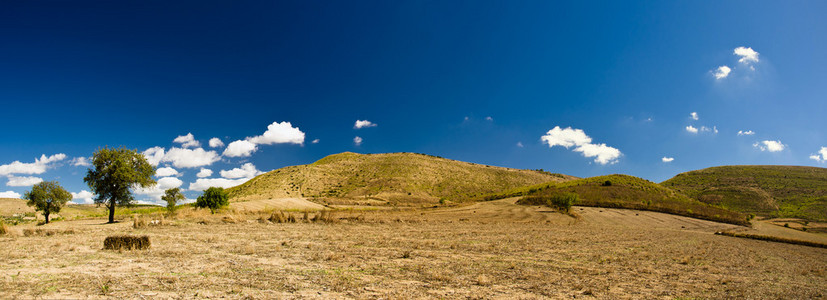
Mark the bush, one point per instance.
(3, 228)
(607, 183)
(562, 202)
(126, 242)
(213, 198)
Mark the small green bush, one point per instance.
(562, 202)
(607, 183)
(213, 198)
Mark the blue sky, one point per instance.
(581, 88)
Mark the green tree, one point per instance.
(172, 196)
(114, 172)
(213, 198)
(48, 197)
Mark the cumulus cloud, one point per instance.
(357, 141)
(155, 192)
(247, 170)
(748, 132)
(9, 194)
(190, 158)
(691, 129)
(520, 144)
(154, 155)
(166, 171)
(771, 146)
(240, 148)
(747, 55)
(202, 184)
(714, 129)
(577, 138)
(81, 161)
(280, 133)
(204, 173)
(667, 159)
(23, 181)
(83, 197)
(489, 118)
(187, 141)
(821, 156)
(693, 115)
(363, 124)
(722, 72)
(216, 142)
(39, 165)
(316, 141)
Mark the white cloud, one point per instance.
(714, 129)
(39, 165)
(520, 144)
(748, 132)
(240, 148)
(154, 155)
(155, 192)
(316, 141)
(9, 194)
(363, 124)
(204, 173)
(81, 161)
(166, 171)
(569, 137)
(693, 115)
(667, 159)
(489, 118)
(202, 184)
(722, 72)
(216, 142)
(83, 197)
(821, 156)
(247, 170)
(23, 181)
(691, 129)
(190, 158)
(771, 146)
(357, 141)
(280, 133)
(187, 141)
(747, 55)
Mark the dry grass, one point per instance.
(501, 250)
(125, 242)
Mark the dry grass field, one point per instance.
(484, 250)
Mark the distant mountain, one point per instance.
(624, 191)
(390, 178)
(768, 191)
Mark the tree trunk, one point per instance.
(46, 213)
(47, 216)
(112, 212)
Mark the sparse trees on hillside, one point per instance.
(213, 198)
(172, 196)
(114, 172)
(48, 197)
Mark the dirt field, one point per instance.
(486, 250)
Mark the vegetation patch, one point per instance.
(126, 242)
(771, 239)
(629, 192)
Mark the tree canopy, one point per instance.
(172, 196)
(213, 198)
(48, 197)
(114, 172)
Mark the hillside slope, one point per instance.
(389, 178)
(767, 191)
(624, 191)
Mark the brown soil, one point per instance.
(485, 250)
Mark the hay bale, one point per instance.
(119, 242)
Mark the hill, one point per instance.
(389, 178)
(624, 191)
(767, 191)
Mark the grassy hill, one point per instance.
(768, 191)
(389, 178)
(624, 191)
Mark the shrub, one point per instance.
(607, 183)
(119, 242)
(3, 228)
(562, 202)
(213, 198)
